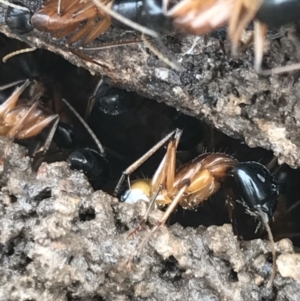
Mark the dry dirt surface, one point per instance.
(225, 91)
(61, 241)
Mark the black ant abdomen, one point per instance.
(93, 165)
(19, 20)
(257, 188)
(278, 13)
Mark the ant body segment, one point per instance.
(24, 120)
(201, 17)
(196, 181)
(19, 20)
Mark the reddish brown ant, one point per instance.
(22, 121)
(201, 17)
(196, 181)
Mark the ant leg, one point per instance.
(169, 60)
(10, 103)
(273, 250)
(109, 45)
(260, 31)
(164, 175)
(244, 11)
(59, 7)
(279, 70)
(145, 217)
(163, 220)
(13, 133)
(17, 129)
(98, 30)
(85, 125)
(49, 138)
(92, 99)
(7, 86)
(126, 173)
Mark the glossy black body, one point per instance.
(148, 13)
(131, 9)
(256, 187)
(278, 13)
(94, 166)
(65, 136)
(115, 101)
(19, 21)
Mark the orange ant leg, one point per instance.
(244, 11)
(165, 172)
(145, 217)
(59, 7)
(126, 173)
(13, 133)
(10, 103)
(167, 214)
(260, 31)
(7, 86)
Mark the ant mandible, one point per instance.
(196, 181)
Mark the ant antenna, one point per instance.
(15, 53)
(170, 62)
(112, 44)
(273, 250)
(92, 99)
(7, 86)
(124, 20)
(96, 140)
(279, 70)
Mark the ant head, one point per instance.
(257, 188)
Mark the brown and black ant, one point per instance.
(196, 181)
(62, 17)
(201, 17)
(65, 17)
(23, 120)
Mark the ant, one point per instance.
(196, 181)
(201, 17)
(22, 121)
(62, 17)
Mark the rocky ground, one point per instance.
(62, 241)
